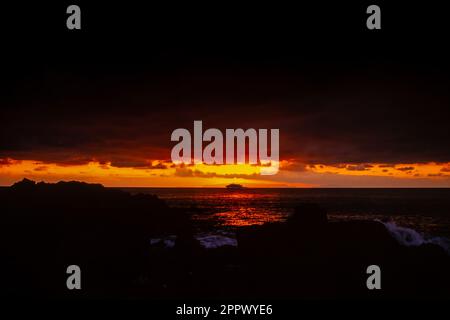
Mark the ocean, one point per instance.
(427, 211)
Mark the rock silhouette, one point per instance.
(47, 227)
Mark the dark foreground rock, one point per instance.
(47, 227)
(309, 257)
(107, 232)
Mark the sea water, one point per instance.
(418, 215)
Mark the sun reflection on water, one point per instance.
(422, 210)
(246, 208)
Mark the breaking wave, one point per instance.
(410, 237)
(208, 241)
(167, 242)
(211, 241)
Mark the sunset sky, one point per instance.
(347, 130)
(160, 174)
(354, 109)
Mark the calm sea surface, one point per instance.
(424, 210)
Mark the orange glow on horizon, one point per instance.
(409, 171)
(201, 175)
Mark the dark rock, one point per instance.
(47, 227)
(308, 215)
(316, 258)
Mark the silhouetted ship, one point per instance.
(235, 186)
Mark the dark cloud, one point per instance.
(41, 168)
(6, 162)
(186, 172)
(122, 108)
(387, 165)
(159, 165)
(136, 163)
(359, 167)
(440, 174)
(405, 168)
(294, 165)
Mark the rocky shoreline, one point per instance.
(112, 235)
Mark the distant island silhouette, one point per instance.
(235, 186)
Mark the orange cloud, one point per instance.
(159, 173)
(156, 174)
(415, 170)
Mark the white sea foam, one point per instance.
(211, 241)
(168, 242)
(410, 237)
(207, 240)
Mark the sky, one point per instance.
(354, 109)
